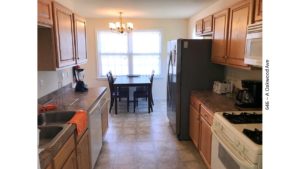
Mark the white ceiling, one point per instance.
(140, 8)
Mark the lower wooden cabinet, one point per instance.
(60, 158)
(83, 152)
(194, 125)
(200, 121)
(49, 166)
(71, 162)
(205, 142)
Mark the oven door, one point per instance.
(226, 156)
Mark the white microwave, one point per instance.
(253, 54)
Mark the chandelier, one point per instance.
(120, 26)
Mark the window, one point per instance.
(134, 53)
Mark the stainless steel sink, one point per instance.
(48, 133)
(60, 117)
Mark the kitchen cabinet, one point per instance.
(238, 22)
(205, 139)
(199, 27)
(63, 44)
(45, 13)
(83, 152)
(207, 25)
(257, 14)
(71, 162)
(49, 166)
(65, 157)
(80, 39)
(194, 125)
(220, 32)
(201, 119)
(104, 118)
(64, 35)
(194, 120)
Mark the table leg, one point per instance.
(149, 100)
(116, 102)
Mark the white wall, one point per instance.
(233, 74)
(170, 29)
(49, 81)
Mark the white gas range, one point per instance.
(237, 140)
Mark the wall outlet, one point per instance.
(41, 84)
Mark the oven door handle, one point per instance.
(229, 148)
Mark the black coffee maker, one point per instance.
(251, 94)
(78, 75)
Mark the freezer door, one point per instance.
(172, 85)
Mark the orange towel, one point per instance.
(47, 107)
(80, 120)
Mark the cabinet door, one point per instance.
(80, 39)
(194, 125)
(71, 162)
(83, 152)
(220, 32)
(45, 13)
(199, 27)
(64, 153)
(205, 143)
(104, 118)
(258, 10)
(64, 35)
(207, 24)
(239, 20)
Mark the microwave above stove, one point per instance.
(253, 49)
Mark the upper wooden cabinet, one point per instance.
(204, 26)
(80, 39)
(199, 27)
(220, 32)
(239, 20)
(257, 14)
(45, 13)
(64, 35)
(208, 24)
(63, 44)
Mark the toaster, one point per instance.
(222, 87)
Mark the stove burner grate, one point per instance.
(255, 136)
(243, 118)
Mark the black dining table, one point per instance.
(133, 81)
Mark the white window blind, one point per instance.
(134, 53)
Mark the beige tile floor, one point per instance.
(145, 141)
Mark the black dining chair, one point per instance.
(142, 92)
(116, 93)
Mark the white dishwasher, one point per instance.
(95, 128)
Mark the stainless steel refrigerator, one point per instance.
(189, 68)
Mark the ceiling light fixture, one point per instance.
(120, 26)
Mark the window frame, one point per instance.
(129, 53)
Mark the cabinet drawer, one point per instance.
(64, 152)
(206, 115)
(195, 103)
